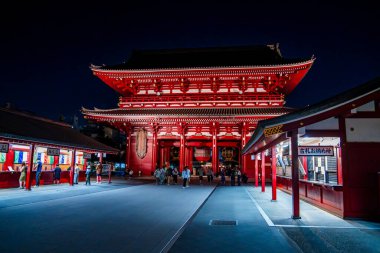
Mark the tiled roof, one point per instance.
(22, 126)
(189, 111)
(204, 57)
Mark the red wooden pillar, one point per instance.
(28, 181)
(257, 170)
(186, 156)
(154, 149)
(191, 155)
(274, 174)
(295, 176)
(339, 165)
(182, 153)
(181, 130)
(243, 143)
(214, 130)
(162, 156)
(214, 154)
(263, 171)
(128, 148)
(9, 159)
(73, 166)
(304, 164)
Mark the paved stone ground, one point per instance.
(139, 216)
(318, 231)
(251, 234)
(117, 217)
(266, 226)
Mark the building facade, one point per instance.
(194, 107)
(326, 153)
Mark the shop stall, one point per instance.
(27, 138)
(327, 153)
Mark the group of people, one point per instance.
(209, 173)
(166, 175)
(234, 173)
(57, 174)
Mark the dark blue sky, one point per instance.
(46, 50)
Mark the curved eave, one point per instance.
(288, 65)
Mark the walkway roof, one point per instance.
(271, 129)
(31, 129)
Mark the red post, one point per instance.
(214, 152)
(274, 174)
(304, 164)
(128, 149)
(28, 182)
(244, 130)
(257, 170)
(263, 171)
(72, 168)
(181, 130)
(191, 154)
(154, 150)
(339, 165)
(295, 176)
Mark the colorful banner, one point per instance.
(2, 157)
(63, 159)
(20, 157)
(79, 160)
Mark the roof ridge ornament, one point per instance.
(92, 66)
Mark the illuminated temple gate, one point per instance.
(196, 106)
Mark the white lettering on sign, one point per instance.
(86, 156)
(53, 151)
(316, 150)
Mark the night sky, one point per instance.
(46, 50)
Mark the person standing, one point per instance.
(88, 175)
(233, 174)
(210, 175)
(200, 173)
(223, 176)
(130, 173)
(162, 175)
(168, 174)
(185, 176)
(156, 175)
(23, 170)
(238, 172)
(38, 169)
(99, 169)
(76, 174)
(175, 175)
(57, 174)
